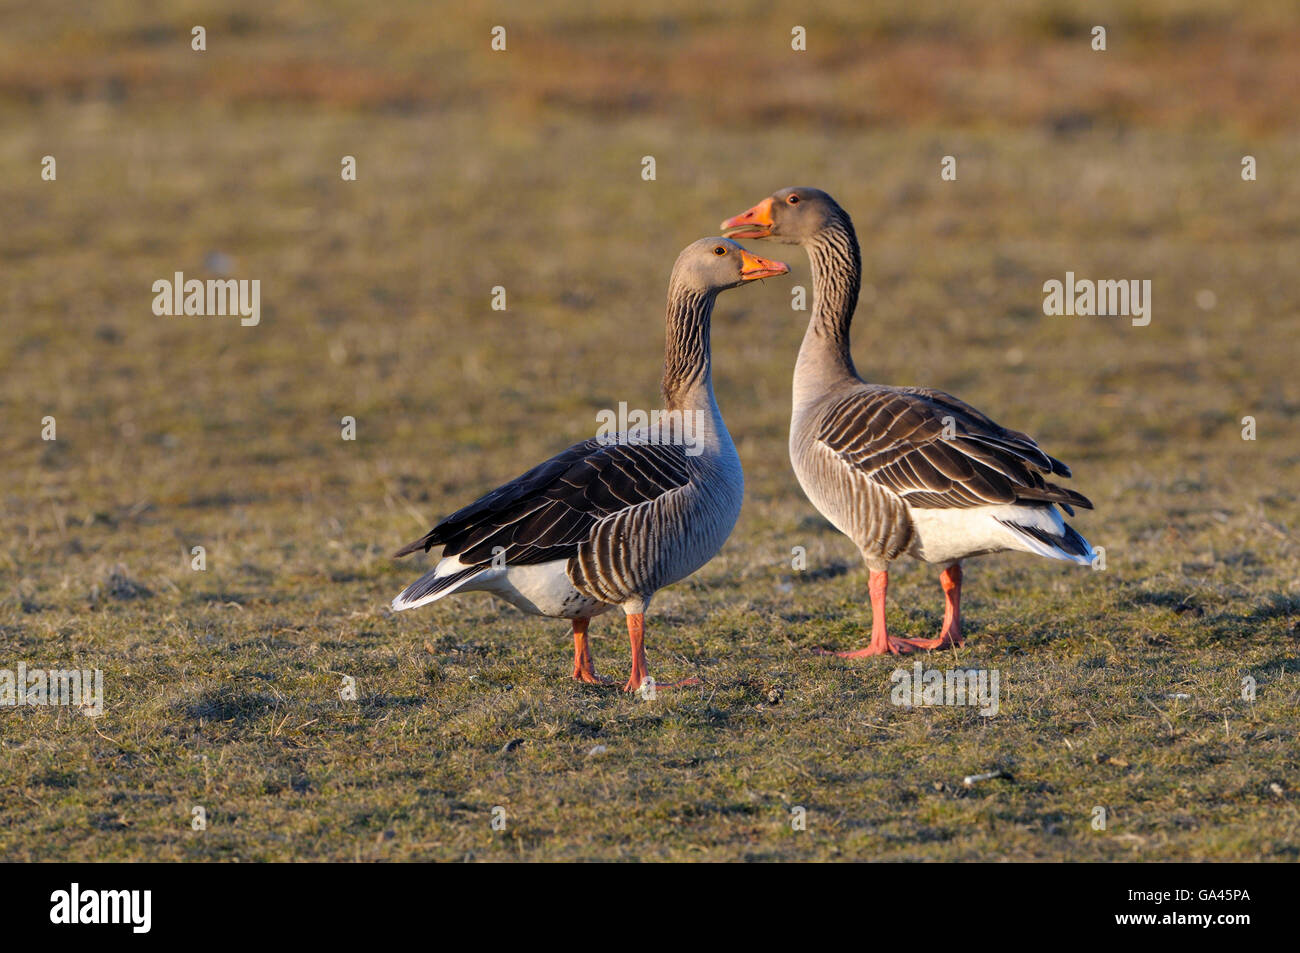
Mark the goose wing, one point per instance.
(934, 450)
(548, 512)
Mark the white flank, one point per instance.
(947, 535)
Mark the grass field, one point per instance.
(1120, 688)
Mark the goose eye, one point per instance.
(793, 200)
(719, 250)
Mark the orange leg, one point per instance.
(640, 671)
(636, 634)
(583, 669)
(882, 643)
(950, 634)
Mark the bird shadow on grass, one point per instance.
(241, 706)
(831, 571)
(228, 704)
(1230, 626)
(1275, 605)
(1179, 602)
(1272, 668)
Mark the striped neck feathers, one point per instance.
(837, 276)
(687, 361)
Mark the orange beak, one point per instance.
(755, 267)
(756, 223)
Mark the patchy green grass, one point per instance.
(222, 686)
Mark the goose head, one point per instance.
(711, 265)
(792, 216)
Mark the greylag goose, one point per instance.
(613, 519)
(902, 470)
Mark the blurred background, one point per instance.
(522, 169)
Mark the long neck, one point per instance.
(824, 357)
(688, 366)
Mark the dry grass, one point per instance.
(523, 170)
(1185, 63)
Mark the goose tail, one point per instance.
(439, 581)
(1059, 542)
